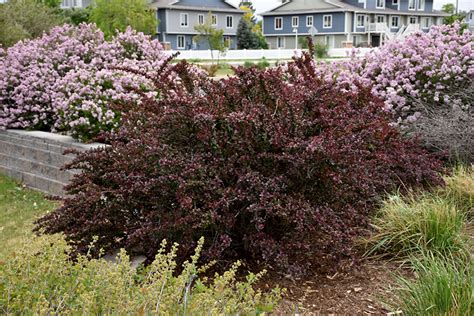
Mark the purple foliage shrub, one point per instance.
(273, 166)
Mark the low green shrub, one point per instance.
(440, 287)
(210, 68)
(263, 63)
(406, 225)
(43, 279)
(320, 50)
(248, 64)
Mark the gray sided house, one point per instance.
(76, 4)
(178, 18)
(347, 23)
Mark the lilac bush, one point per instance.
(425, 66)
(69, 79)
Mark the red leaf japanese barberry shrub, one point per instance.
(274, 166)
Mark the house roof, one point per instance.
(340, 6)
(174, 4)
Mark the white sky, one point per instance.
(265, 5)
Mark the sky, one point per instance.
(265, 5)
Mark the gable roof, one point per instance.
(202, 6)
(308, 6)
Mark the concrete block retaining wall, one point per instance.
(35, 158)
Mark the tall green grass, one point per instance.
(441, 287)
(431, 231)
(430, 221)
(414, 223)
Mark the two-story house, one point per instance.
(178, 18)
(347, 23)
(469, 20)
(77, 4)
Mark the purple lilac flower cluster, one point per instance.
(67, 79)
(425, 66)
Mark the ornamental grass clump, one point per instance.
(273, 166)
(440, 287)
(41, 278)
(434, 222)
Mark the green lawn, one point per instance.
(19, 207)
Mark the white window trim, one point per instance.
(297, 18)
(382, 7)
(430, 22)
(418, 5)
(357, 20)
(398, 21)
(212, 20)
(414, 8)
(393, 2)
(181, 19)
(377, 16)
(412, 16)
(226, 22)
(184, 42)
(312, 21)
(284, 42)
(324, 22)
(275, 23)
(203, 19)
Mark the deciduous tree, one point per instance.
(25, 19)
(212, 36)
(115, 15)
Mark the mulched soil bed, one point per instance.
(358, 290)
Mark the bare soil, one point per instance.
(365, 289)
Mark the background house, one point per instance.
(69, 4)
(345, 23)
(469, 19)
(178, 18)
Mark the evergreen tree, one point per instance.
(246, 39)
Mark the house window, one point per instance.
(278, 23)
(327, 40)
(295, 21)
(411, 4)
(309, 20)
(280, 42)
(200, 19)
(426, 22)
(214, 19)
(327, 24)
(394, 2)
(184, 19)
(181, 42)
(395, 21)
(228, 41)
(360, 20)
(380, 4)
(355, 40)
(412, 20)
(229, 21)
(421, 5)
(380, 18)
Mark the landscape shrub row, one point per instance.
(42, 279)
(267, 166)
